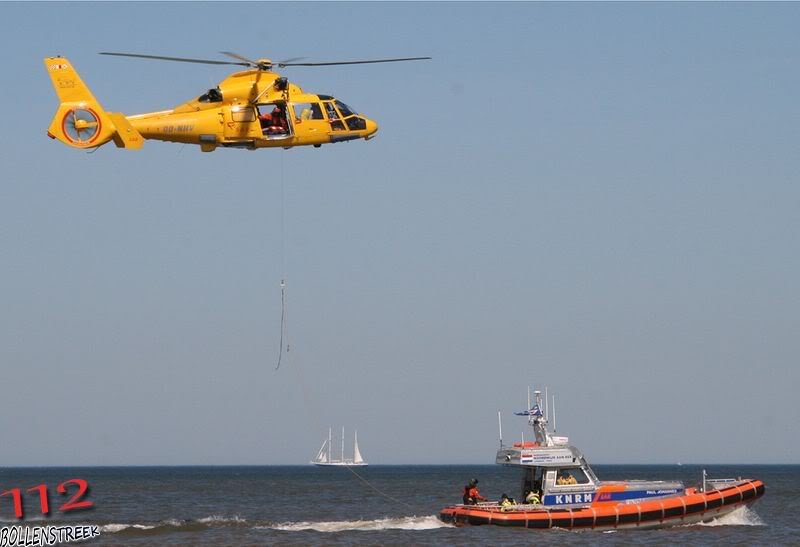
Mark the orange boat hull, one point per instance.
(689, 508)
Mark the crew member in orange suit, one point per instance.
(471, 493)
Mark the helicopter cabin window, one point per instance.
(308, 111)
(273, 121)
(243, 114)
(214, 95)
(333, 116)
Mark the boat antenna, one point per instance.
(546, 407)
(554, 414)
(500, 426)
(529, 398)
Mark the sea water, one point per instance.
(376, 505)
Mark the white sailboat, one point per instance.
(326, 458)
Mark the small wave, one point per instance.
(218, 519)
(27, 519)
(402, 523)
(199, 524)
(113, 528)
(743, 516)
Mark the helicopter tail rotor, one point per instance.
(80, 120)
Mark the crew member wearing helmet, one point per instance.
(532, 497)
(506, 503)
(471, 494)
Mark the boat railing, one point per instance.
(716, 484)
(497, 507)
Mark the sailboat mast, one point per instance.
(330, 433)
(342, 443)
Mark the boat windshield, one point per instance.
(572, 475)
(588, 470)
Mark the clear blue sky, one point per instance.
(602, 198)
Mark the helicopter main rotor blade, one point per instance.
(283, 63)
(355, 62)
(250, 62)
(179, 59)
(256, 63)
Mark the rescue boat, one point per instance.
(572, 497)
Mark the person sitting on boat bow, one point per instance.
(506, 503)
(471, 493)
(532, 497)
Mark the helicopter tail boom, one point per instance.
(80, 120)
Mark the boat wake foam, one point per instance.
(743, 516)
(200, 524)
(400, 523)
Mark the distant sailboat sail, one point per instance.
(322, 455)
(357, 459)
(325, 458)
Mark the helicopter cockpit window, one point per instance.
(344, 109)
(308, 111)
(354, 123)
(214, 95)
(333, 116)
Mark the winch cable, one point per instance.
(284, 344)
(283, 324)
(378, 490)
(283, 333)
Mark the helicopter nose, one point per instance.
(372, 128)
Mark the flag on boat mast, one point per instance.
(534, 411)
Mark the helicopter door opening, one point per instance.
(274, 121)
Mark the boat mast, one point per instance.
(554, 414)
(342, 443)
(539, 422)
(500, 425)
(330, 432)
(546, 407)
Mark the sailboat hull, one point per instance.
(340, 464)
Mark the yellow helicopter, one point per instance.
(254, 108)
